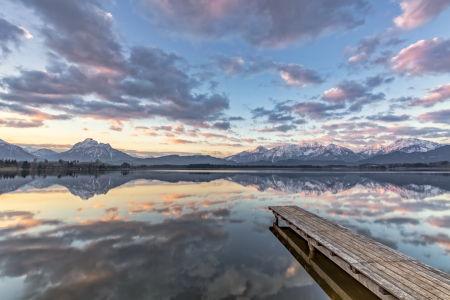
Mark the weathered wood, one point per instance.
(388, 273)
(336, 283)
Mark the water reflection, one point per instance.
(180, 235)
(86, 186)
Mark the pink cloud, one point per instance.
(440, 116)
(180, 141)
(425, 56)
(436, 95)
(417, 12)
(335, 95)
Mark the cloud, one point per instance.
(292, 74)
(222, 125)
(282, 112)
(213, 135)
(440, 222)
(21, 123)
(180, 141)
(440, 116)
(372, 82)
(398, 221)
(366, 47)
(436, 95)
(416, 13)
(267, 23)
(359, 133)
(80, 31)
(96, 80)
(82, 272)
(277, 115)
(389, 118)
(11, 36)
(116, 128)
(441, 239)
(176, 197)
(53, 265)
(162, 128)
(20, 221)
(300, 121)
(317, 110)
(423, 132)
(228, 65)
(354, 93)
(297, 75)
(425, 56)
(344, 90)
(281, 128)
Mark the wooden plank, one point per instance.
(382, 250)
(422, 279)
(403, 267)
(432, 271)
(332, 235)
(372, 252)
(393, 271)
(343, 253)
(407, 266)
(343, 285)
(441, 289)
(402, 282)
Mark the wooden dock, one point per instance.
(388, 273)
(334, 281)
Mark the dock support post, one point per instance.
(311, 249)
(276, 220)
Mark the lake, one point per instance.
(199, 235)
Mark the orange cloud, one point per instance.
(175, 197)
(180, 141)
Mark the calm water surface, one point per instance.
(194, 235)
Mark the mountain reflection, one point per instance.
(406, 185)
(181, 235)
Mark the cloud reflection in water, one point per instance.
(178, 235)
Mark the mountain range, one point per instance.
(402, 151)
(91, 150)
(318, 152)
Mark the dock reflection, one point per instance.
(335, 282)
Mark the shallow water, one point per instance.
(199, 235)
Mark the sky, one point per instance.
(216, 77)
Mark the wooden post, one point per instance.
(311, 247)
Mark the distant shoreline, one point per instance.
(95, 168)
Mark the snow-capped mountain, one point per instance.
(403, 145)
(412, 145)
(318, 152)
(91, 150)
(334, 152)
(304, 151)
(299, 152)
(44, 153)
(29, 149)
(249, 155)
(369, 151)
(10, 151)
